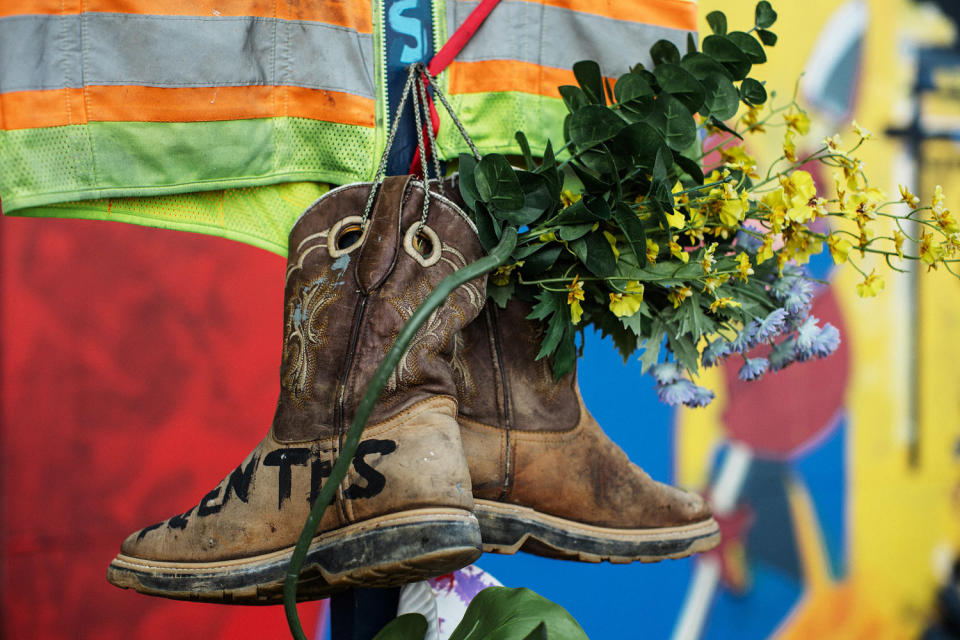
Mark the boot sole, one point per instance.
(382, 552)
(508, 528)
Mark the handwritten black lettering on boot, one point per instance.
(375, 480)
(284, 459)
(147, 530)
(319, 471)
(238, 484)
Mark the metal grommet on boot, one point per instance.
(413, 243)
(343, 229)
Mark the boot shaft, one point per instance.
(348, 293)
(500, 350)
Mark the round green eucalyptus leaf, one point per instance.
(409, 626)
(672, 118)
(681, 84)
(587, 73)
(593, 124)
(640, 142)
(536, 200)
(721, 98)
(664, 51)
(726, 52)
(573, 97)
(497, 183)
(749, 45)
(718, 22)
(702, 66)
(768, 38)
(764, 16)
(631, 86)
(752, 92)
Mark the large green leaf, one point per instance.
(537, 200)
(718, 22)
(749, 45)
(525, 149)
(409, 626)
(573, 97)
(599, 259)
(752, 92)
(681, 84)
(768, 38)
(488, 227)
(664, 51)
(721, 97)
(540, 261)
(632, 228)
(587, 73)
(675, 122)
(468, 186)
(703, 66)
(497, 183)
(726, 52)
(638, 141)
(593, 124)
(765, 16)
(631, 86)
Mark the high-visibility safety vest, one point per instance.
(227, 116)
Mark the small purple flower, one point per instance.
(826, 341)
(667, 372)
(783, 354)
(714, 352)
(771, 326)
(806, 334)
(684, 391)
(753, 369)
(746, 339)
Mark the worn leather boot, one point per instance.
(546, 479)
(403, 513)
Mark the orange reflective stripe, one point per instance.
(675, 14)
(354, 15)
(28, 109)
(54, 108)
(507, 75)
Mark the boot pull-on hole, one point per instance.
(423, 246)
(345, 236)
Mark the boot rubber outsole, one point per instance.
(508, 528)
(387, 551)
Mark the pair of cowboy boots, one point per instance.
(522, 465)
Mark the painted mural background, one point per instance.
(138, 365)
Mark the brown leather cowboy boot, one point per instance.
(403, 512)
(546, 479)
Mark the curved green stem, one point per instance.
(497, 256)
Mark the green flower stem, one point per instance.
(498, 256)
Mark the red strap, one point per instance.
(442, 60)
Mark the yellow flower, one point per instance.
(860, 131)
(765, 252)
(574, 296)
(653, 250)
(898, 239)
(678, 294)
(839, 248)
(751, 119)
(548, 237)
(711, 283)
(797, 121)
(707, 260)
(938, 196)
(833, 143)
(502, 275)
(677, 252)
(734, 207)
(946, 221)
(951, 245)
(737, 158)
(912, 201)
(789, 148)
(929, 253)
(675, 220)
(743, 265)
(723, 303)
(613, 244)
(569, 197)
(871, 285)
(628, 303)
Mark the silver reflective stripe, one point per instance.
(50, 52)
(555, 37)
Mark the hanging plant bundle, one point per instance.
(623, 230)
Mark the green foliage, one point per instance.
(409, 626)
(625, 149)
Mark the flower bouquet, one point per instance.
(654, 225)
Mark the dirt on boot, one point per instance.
(546, 479)
(403, 512)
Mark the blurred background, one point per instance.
(138, 365)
